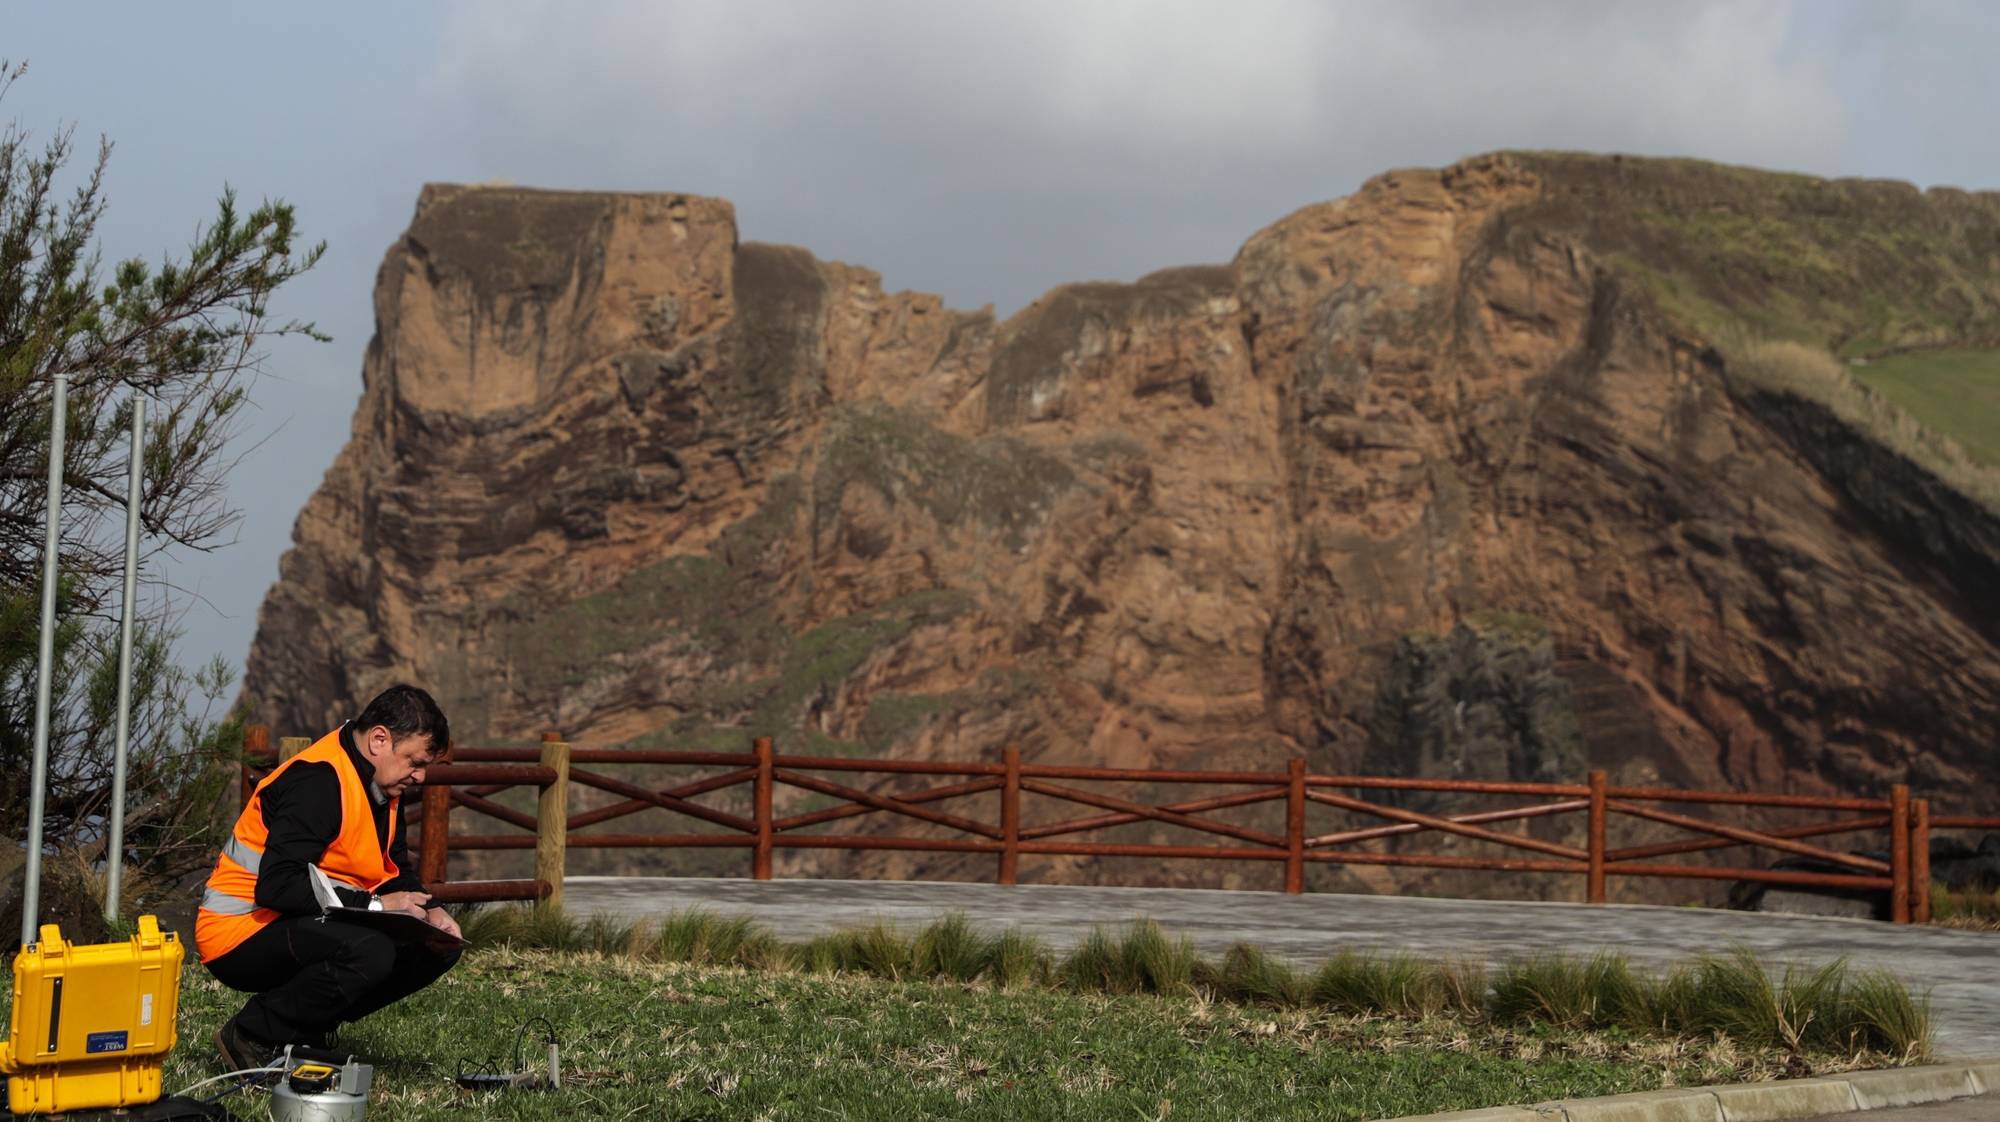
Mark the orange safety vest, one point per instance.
(356, 857)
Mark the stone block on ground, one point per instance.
(1688, 1104)
(1771, 1102)
(1911, 1086)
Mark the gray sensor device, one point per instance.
(315, 1091)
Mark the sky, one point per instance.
(983, 151)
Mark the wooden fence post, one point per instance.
(256, 742)
(1920, 859)
(433, 854)
(760, 856)
(1295, 827)
(1598, 813)
(1899, 853)
(1010, 816)
(291, 746)
(552, 818)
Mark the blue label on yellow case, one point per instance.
(105, 1042)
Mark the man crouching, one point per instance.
(261, 930)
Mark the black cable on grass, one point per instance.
(521, 1036)
(487, 1074)
(471, 1072)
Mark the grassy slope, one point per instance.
(678, 1041)
(1954, 392)
(1858, 266)
(1907, 281)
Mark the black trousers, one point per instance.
(307, 975)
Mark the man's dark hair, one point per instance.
(407, 711)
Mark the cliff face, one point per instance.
(1471, 444)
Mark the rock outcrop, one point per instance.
(618, 474)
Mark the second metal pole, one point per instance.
(114, 853)
(31, 877)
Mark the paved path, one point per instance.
(1962, 968)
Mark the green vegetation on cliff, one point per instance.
(1858, 266)
(1000, 483)
(1899, 288)
(1953, 392)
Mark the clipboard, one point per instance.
(400, 926)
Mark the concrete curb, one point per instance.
(1776, 1101)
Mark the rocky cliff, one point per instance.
(1475, 472)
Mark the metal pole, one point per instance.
(31, 879)
(114, 853)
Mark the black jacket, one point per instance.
(302, 817)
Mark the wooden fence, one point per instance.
(472, 776)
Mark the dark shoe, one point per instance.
(298, 1053)
(242, 1052)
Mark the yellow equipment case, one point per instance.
(92, 1024)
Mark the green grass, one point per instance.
(699, 1015)
(1954, 392)
(673, 1040)
(1827, 1010)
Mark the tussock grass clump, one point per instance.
(1399, 985)
(1737, 997)
(1251, 977)
(1824, 1008)
(1672, 1001)
(538, 926)
(605, 935)
(1965, 908)
(822, 955)
(701, 937)
(760, 950)
(1881, 1014)
(1733, 997)
(877, 949)
(950, 948)
(487, 925)
(543, 926)
(1143, 960)
(1092, 964)
(1462, 987)
(1599, 992)
(1018, 960)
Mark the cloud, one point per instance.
(991, 150)
(1924, 85)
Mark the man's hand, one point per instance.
(442, 920)
(409, 902)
